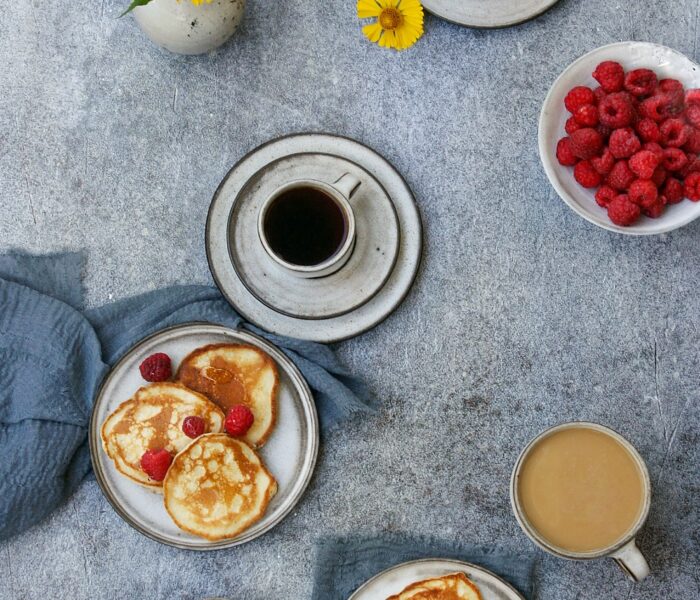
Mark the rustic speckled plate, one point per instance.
(490, 14)
(290, 453)
(394, 580)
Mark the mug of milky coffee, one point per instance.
(308, 227)
(581, 491)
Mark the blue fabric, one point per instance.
(343, 564)
(53, 357)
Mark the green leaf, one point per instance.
(133, 5)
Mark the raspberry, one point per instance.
(621, 177)
(692, 166)
(564, 154)
(670, 85)
(616, 110)
(586, 115)
(648, 130)
(655, 210)
(604, 163)
(623, 212)
(604, 131)
(155, 463)
(692, 187)
(156, 367)
(692, 146)
(674, 133)
(610, 75)
(655, 149)
(641, 82)
(599, 94)
(658, 107)
(659, 176)
(693, 115)
(586, 175)
(674, 159)
(572, 125)
(692, 97)
(194, 426)
(577, 97)
(238, 420)
(604, 195)
(644, 163)
(672, 190)
(643, 192)
(624, 143)
(586, 143)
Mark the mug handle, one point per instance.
(632, 561)
(347, 185)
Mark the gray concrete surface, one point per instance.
(524, 315)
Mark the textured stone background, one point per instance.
(524, 315)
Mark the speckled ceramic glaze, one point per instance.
(182, 27)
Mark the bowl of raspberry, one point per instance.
(619, 138)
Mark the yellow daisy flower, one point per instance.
(399, 23)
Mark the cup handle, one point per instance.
(347, 185)
(632, 561)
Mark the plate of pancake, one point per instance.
(217, 490)
(436, 579)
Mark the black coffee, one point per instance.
(304, 226)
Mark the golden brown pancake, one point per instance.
(230, 374)
(217, 487)
(152, 419)
(449, 587)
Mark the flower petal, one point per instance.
(372, 32)
(367, 9)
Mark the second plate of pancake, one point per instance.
(288, 456)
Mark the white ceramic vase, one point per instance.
(182, 27)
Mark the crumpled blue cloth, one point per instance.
(53, 357)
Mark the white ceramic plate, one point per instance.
(631, 55)
(289, 454)
(394, 580)
(489, 14)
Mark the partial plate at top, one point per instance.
(396, 579)
(488, 14)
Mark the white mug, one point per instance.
(340, 191)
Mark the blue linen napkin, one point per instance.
(343, 564)
(53, 357)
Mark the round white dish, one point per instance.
(289, 454)
(666, 62)
(490, 14)
(394, 580)
(364, 162)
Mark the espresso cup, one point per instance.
(624, 549)
(307, 227)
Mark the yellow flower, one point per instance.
(198, 2)
(399, 23)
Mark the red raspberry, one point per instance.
(659, 176)
(656, 209)
(564, 154)
(156, 367)
(604, 195)
(641, 82)
(155, 463)
(194, 426)
(572, 125)
(643, 192)
(599, 94)
(674, 159)
(670, 85)
(692, 166)
(577, 97)
(693, 115)
(623, 212)
(621, 177)
(238, 420)
(586, 175)
(691, 187)
(672, 190)
(692, 146)
(644, 163)
(658, 107)
(655, 149)
(624, 143)
(604, 163)
(586, 143)
(603, 130)
(674, 133)
(616, 110)
(586, 115)
(692, 97)
(648, 130)
(610, 75)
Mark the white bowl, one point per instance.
(631, 55)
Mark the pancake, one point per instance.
(217, 487)
(152, 419)
(450, 587)
(230, 374)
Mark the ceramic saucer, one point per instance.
(356, 298)
(488, 15)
